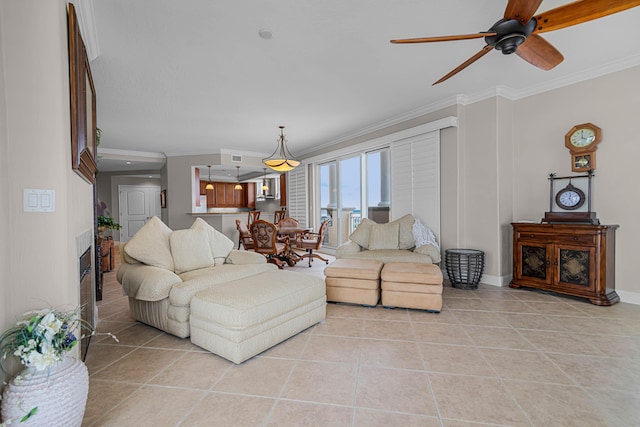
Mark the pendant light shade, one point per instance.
(281, 160)
(238, 186)
(209, 185)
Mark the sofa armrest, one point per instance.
(347, 248)
(146, 282)
(245, 257)
(430, 250)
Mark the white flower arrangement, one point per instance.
(42, 338)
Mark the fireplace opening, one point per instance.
(86, 298)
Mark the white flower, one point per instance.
(49, 325)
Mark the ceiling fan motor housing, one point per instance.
(510, 34)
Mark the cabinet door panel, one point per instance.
(575, 267)
(534, 265)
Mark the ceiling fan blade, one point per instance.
(539, 52)
(580, 11)
(521, 10)
(444, 38)
(466, 63)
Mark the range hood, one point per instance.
(273, 191)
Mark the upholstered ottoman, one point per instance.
(411, 285)
(241, 318)
(353, 280)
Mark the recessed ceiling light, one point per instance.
(265, 34)
(128, 163)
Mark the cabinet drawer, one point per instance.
(586, 239)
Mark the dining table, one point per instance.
(293, 233)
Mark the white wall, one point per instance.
(38, 250)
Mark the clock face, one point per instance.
(570, 198)
(582, 137)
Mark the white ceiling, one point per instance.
(194, 76)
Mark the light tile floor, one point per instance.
(492, 357)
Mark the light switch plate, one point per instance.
(38, 200)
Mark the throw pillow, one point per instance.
(384, 236)
(405, 232)
(190, 250)
(219, 244)
(423, 235)
(150, 244)
(361, 234)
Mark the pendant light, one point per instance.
(209, 185)
(265, 187)
(238, 186)
(284, 161)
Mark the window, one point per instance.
(345, 185)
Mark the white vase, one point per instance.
(59, 393)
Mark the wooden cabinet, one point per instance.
(573, 259)
(250, 195)
(224, 195)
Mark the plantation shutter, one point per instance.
(297, 194)
(415, 179)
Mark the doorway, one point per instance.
(138, 204)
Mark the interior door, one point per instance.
(137, 205)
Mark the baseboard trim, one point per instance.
(629, 297)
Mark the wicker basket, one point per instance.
(464, 267)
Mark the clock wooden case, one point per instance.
(582, 141)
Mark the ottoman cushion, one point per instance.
(354, 281)
(367, 269)
(407, 272)
(242, 318)
(411, 285)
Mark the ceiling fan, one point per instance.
(518, 31)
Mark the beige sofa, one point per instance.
(163, 270)
(391, 242)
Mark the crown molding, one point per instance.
(128, 153)
(592, 73)
(501, 90)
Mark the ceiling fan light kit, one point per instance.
(518, 31)
(509, 35)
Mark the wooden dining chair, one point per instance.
(266, 242)
(253, 215)
(279, 215)
(313, 241)
(288, 223)
(244, 238)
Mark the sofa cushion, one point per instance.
(405, 231)
(392, 255)
(190, 250)
(150, 244)
(432, 251)
(384, 236)
(196, 280)
(361, 234)
(220, 245)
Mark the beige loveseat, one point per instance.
(163, 270)
(391, 242)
